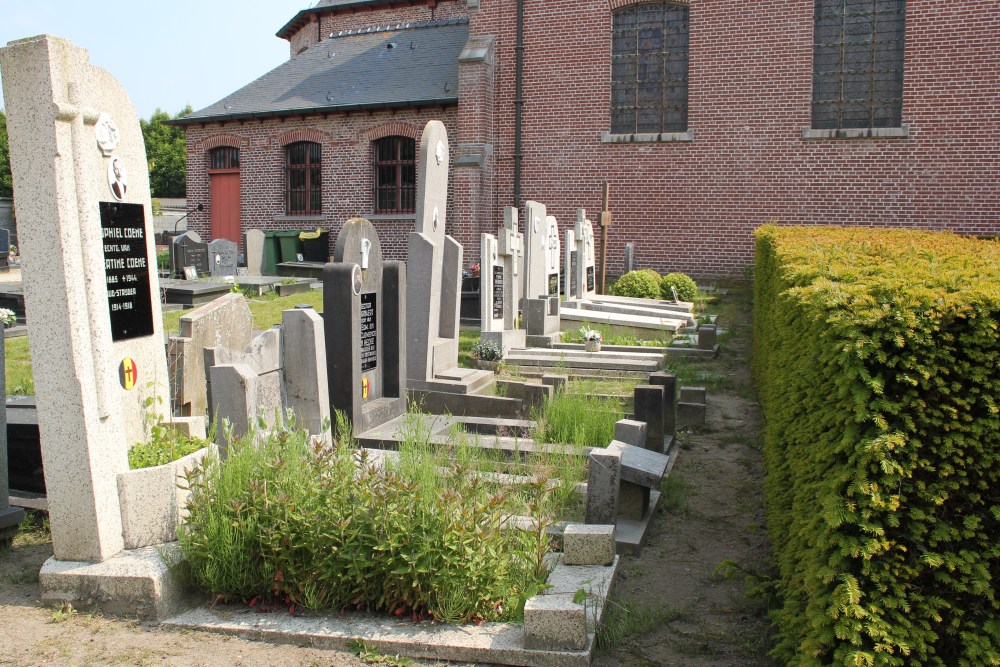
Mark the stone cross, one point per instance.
(433, 267)
(77, 155)
(511, 247)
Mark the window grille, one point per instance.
(858, 64)
(305, 173)
(649, 68)
(224, 157)
(395, 168)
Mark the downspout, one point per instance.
(518, 100)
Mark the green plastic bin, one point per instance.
(291, 245)
(272, 253)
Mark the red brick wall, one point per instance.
(693, 206)
(347, 169)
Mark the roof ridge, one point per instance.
(409, 25)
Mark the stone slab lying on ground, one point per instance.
(607, 361)
(569, 314)
(680, 306)
(624, 309)
(190, 293)
(680, 352)
(493, 643)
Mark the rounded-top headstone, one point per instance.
(432, 181)
(358, 238)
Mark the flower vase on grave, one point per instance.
(592, 345)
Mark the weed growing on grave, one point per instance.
(286, 520)
(578, 419)
(17, 364)
(370, 656)
(625, 617)
(164, 443)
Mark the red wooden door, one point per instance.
(226, 204)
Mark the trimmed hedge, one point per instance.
(877, 363)
(687, 288)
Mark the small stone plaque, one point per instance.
(126, 270)
(498, 292)
(369, 332)
(553, 284)
(590, 279)
(572, 272)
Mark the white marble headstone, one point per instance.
(535, 250)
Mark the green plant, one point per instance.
(286, 520)
(687, 289)
(487, 350)
(625, 617)
(164, 442)
(644, 284)
(578, 419)
(876, 362)
(162, 259)
(370, 656)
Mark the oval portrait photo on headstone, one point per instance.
(117, 178)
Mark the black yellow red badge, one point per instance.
(128, 373)
(365, 387)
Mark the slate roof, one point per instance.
(411, 65)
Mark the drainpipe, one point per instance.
(518, 100)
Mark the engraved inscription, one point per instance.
(369, 332)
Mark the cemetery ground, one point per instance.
(683, 601)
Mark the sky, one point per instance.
(165, 54)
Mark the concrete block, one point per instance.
(603, 480)
(707, 337)
(648, 407)
(555, 623)
(640, 465)
(557, 382)
(633, 501)
(588, 544)
(669, 383)
(534, 395)
(631, 432)
(235, 397)
(694, 395)
(691, 414)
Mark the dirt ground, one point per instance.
(680, 603)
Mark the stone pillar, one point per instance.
(603, 483)
(304, 348)
(669, 383)
(648, 407)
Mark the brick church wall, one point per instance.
(692, 206)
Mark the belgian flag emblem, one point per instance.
(128, 373)
(365, 387)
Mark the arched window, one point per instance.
(395, 169)
(649, 68)
(305, 178)
(858, 64)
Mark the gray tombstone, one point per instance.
(496, 294)
(188, 250)
(223, 256)
(255, 252)
(584, 272)
(4, 248)
(630, 263)
(510, 247)
(364, 300)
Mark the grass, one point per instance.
(17, 364)
(625, 617)
(578, 419)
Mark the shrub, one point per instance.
(644, 284)
(286, 520)
(878, 368)
(165, 444)
(487, 350)
(686, 288)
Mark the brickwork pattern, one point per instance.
(347, 170)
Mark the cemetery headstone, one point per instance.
(225, 322)
(584, 274)
(511, 249)
(433, 279)
(223, 256)
(536, 246)
(254, 240)
(630, 262)
(570, 285)
(496, 294)
(73, 135)
(552, 257)
(306, 388)
(188, 250)
(4, 249)
(366, 341)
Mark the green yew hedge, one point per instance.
(877, 363)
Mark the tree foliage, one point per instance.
(166, 151)
(6, 182)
